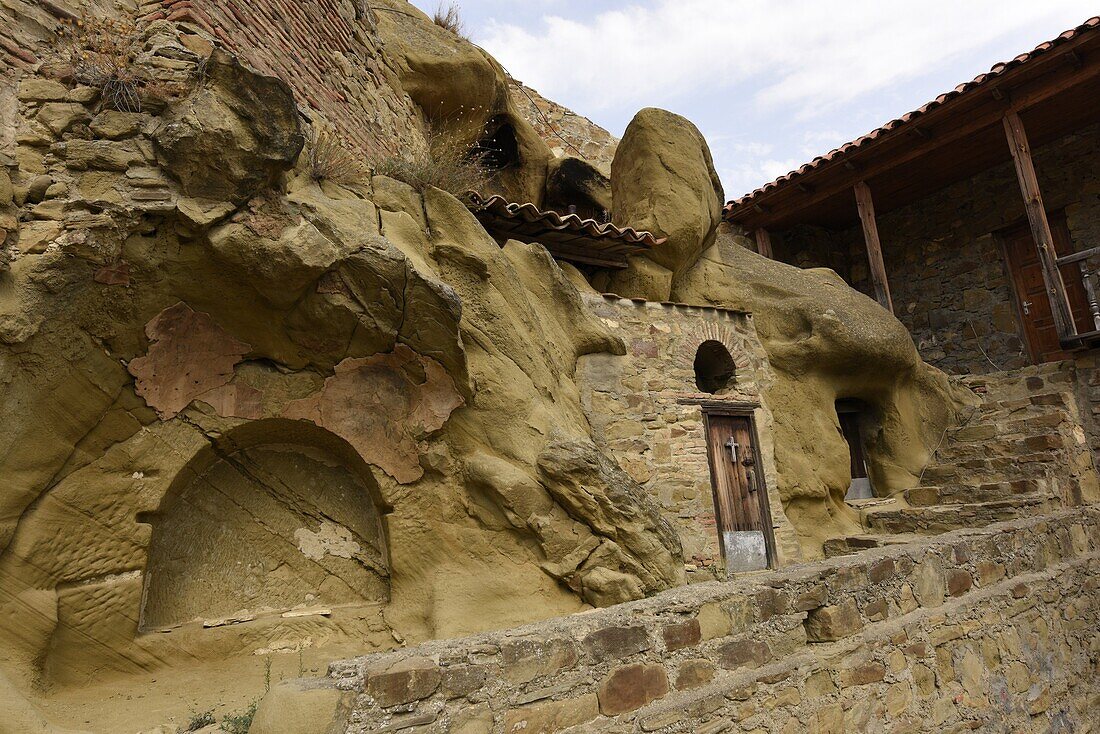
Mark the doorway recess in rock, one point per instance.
(715, 369)
(279, 515)
(854, 416)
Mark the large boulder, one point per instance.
(663, 180)
(233, 135)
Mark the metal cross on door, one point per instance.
(740, 499)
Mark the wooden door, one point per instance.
(1032, 301)
(737, 478)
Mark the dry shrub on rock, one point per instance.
(449, 17)
(103, 53)
(447, 163)
(332, 159)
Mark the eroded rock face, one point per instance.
(311, 412)
(297, 413)
(663, 180)
(462, 91)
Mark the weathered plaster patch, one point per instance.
(189, 354)
(330, 539)
(383, 406)
(235, 400)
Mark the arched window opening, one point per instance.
(715, 369)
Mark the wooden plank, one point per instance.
(866, 206)
(1040, 226)
(1078, 256)
(763, 243)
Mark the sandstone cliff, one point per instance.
(252, 408)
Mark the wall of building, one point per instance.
(636, 406)
(991, 630)
(947, 273)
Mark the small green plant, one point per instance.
(331, 159)
(240, 723)
(447, 163)
(449, 17)
(200, 719)
(267, 675)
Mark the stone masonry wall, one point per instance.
(635, 404)
(328, 51)
(947, 273)
(566, 132)
(991, 630)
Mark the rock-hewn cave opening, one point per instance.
(715, 370)
(498, 148)
(282, 520)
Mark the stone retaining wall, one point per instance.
(992, 630)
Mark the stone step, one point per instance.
(963, 494)
(953, 452)
(985, 470)
(857, 543)
(944, 518)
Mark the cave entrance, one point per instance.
(498, 148)
(277, 524)
(853, 415)
(741, 509)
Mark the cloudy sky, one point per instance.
(770, 84)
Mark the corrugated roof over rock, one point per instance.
(566, 236)
(979, 82)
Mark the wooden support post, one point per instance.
(866, 208)
(764, 243)
(1040, 227)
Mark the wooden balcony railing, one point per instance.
(1090, 275)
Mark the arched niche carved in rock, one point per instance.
(277, 515)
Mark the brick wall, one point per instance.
(328, 51)
(991, 629)
(635, 405)
(947, 273)
(566, 132)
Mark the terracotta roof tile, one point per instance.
(572, 222)
(567, 236)
(981, 80)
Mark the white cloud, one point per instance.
(803, 56)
